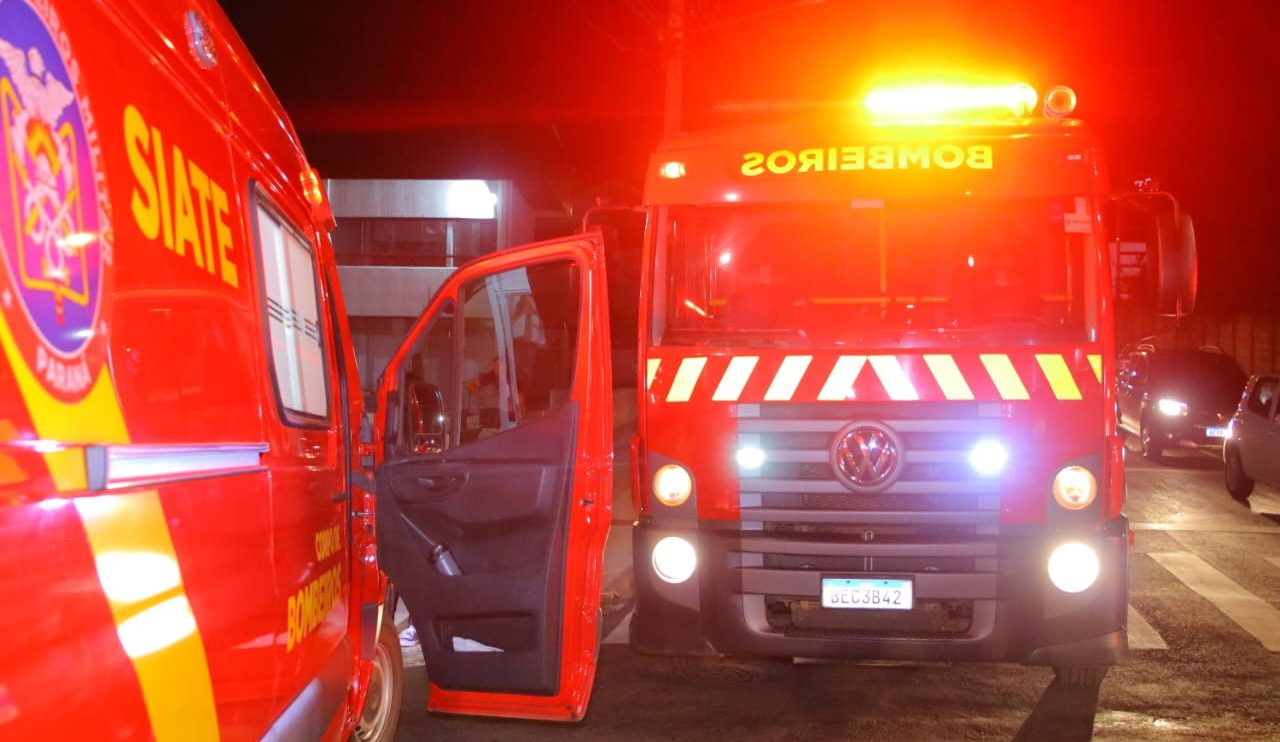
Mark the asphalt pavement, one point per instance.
(1204, 629)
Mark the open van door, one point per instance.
(494, 480)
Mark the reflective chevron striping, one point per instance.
(1251, 613)
(1142, 635)
(894, 377)
(735, 378)
(1003, 375)
(1095, 360)
(652, 371)
(895, 380)
(839, 386)
(787, 379)
(686, 377)
(947, 374)
(1059, 376)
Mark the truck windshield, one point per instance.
(903, 272)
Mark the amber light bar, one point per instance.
(933, 102)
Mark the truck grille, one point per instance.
(936, 523)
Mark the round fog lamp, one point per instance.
(1073, 567)
(672, 485)
(674, 559)
(1074, 487)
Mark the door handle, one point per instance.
(439, 485)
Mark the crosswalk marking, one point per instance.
(1142, 635)
(621, 633)
(1251, 613)
(1207, 525)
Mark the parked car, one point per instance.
(1177, 398)
(1251, 450)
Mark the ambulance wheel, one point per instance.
(1081, 677)
(381, 710)
(1238, 483)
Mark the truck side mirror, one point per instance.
(1177, 272)
(1154, 251)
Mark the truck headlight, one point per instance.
(988, 457)
(672, 484)
(750, 457)
(674, 559)
(1074, 567)
(1171, 407)
(1074, 487)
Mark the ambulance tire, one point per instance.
(1081, 677)
(381, 712)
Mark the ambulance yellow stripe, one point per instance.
(1000, 368)
(686, 377)
(95, 418)
(839, 386)
(1059, 376)
(788, 378)
(1095, 360)
(138, 569)
(895, 380)
(735, 378)
(947, 374)
(652, 371)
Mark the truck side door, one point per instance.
(494, 480)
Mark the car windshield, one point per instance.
(1213, 374)
(1013, 270)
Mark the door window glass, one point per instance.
(519, 346)
(1260, 400)
(429, 394)
(293, 317)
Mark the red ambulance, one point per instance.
(188, 548)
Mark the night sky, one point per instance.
(567, 95)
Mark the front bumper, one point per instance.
(1005, 607)
(1186, 432)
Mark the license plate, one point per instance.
(877, 594)
(1216, 432)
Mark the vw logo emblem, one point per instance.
(866, 457)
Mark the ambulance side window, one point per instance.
(519, 346)
(292, 312)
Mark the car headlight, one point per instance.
(1171, 407)
(672, 485)
(674, 559)
(1074, 567)
(1074, 487)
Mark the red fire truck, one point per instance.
(875, 419)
